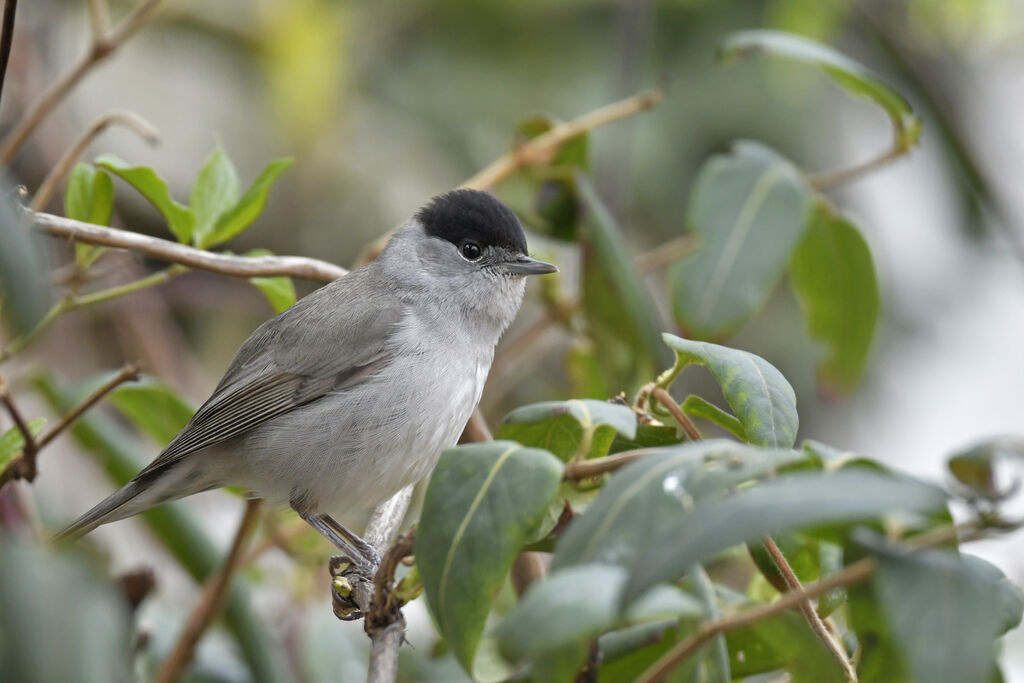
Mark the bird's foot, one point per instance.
(349, 577)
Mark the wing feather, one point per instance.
(329, 341)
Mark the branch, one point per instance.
(827, 181)
(100, 48)
(24, 466)
(665, 399)
(542, 148)
(172, 252)
(586, 469)
(60, 171)
(854, 573)
(6, 38)
(210, 602)
(661, 256)
(129, 373)
(808, 612)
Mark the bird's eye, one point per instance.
(471, 250)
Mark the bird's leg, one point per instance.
(359, 553)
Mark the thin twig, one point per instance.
(665, 399)
(172, 252)
(831, 179)
(854, 573)
(99, 18)
(60, 171)
(808, 611)
(210, 602)
(100, 48)
(661, 256)
(542, 148)
(129, 373)
(6, 38)
(25, 466)
(587, 469)
(476, 430)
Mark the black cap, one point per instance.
(470, 214)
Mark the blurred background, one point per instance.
(386, 104)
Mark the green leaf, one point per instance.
(647, 497)
(852, 76)
(156, 409)
(699, 407)
(572, 430)
(976, 467)
(647, 436)
(12, 441)
(944, 610)
(833, 277)
(712, 665)
(748, 209)
(482, 504)
(214, 192)
(796, 501)
(619, 310)
(25, 287)
(90, 198)
(761, 398)
(783, 641)
(150, 185)
(575, 604)
(280, 291)
(586, 375)
(250, 206)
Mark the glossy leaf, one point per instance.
(945, 611)
(155, 408)
(574, 605)
(761, 398)
(575, 429)
(848, 73)
(618, 307)
(214, 192)
(695, 406)
(788, 503)
(482, 504)
(89, 198)
(12, 441)
(782, 642)
(153, 187)
(748, 210)
(833, 276)
(647, 498)
(236, 219)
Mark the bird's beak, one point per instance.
(525, 265)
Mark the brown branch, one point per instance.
(23, 467)
(60, 171)
(6, 38)
(172, 252)
(807, 610)
(831, 179)
(665, 399)
(210, 602)
(99, 18)
(100, 48)
(129, 373)
(586, 469)
(854, 573)
(542, 148)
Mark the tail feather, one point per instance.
(114, 507)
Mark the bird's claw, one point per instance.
(345, 576)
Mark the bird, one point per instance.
(351, 394)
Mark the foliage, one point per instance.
(659, 542)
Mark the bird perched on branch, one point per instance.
(351, 394)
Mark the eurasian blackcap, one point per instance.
(352, 393)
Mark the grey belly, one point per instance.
(355, 448)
